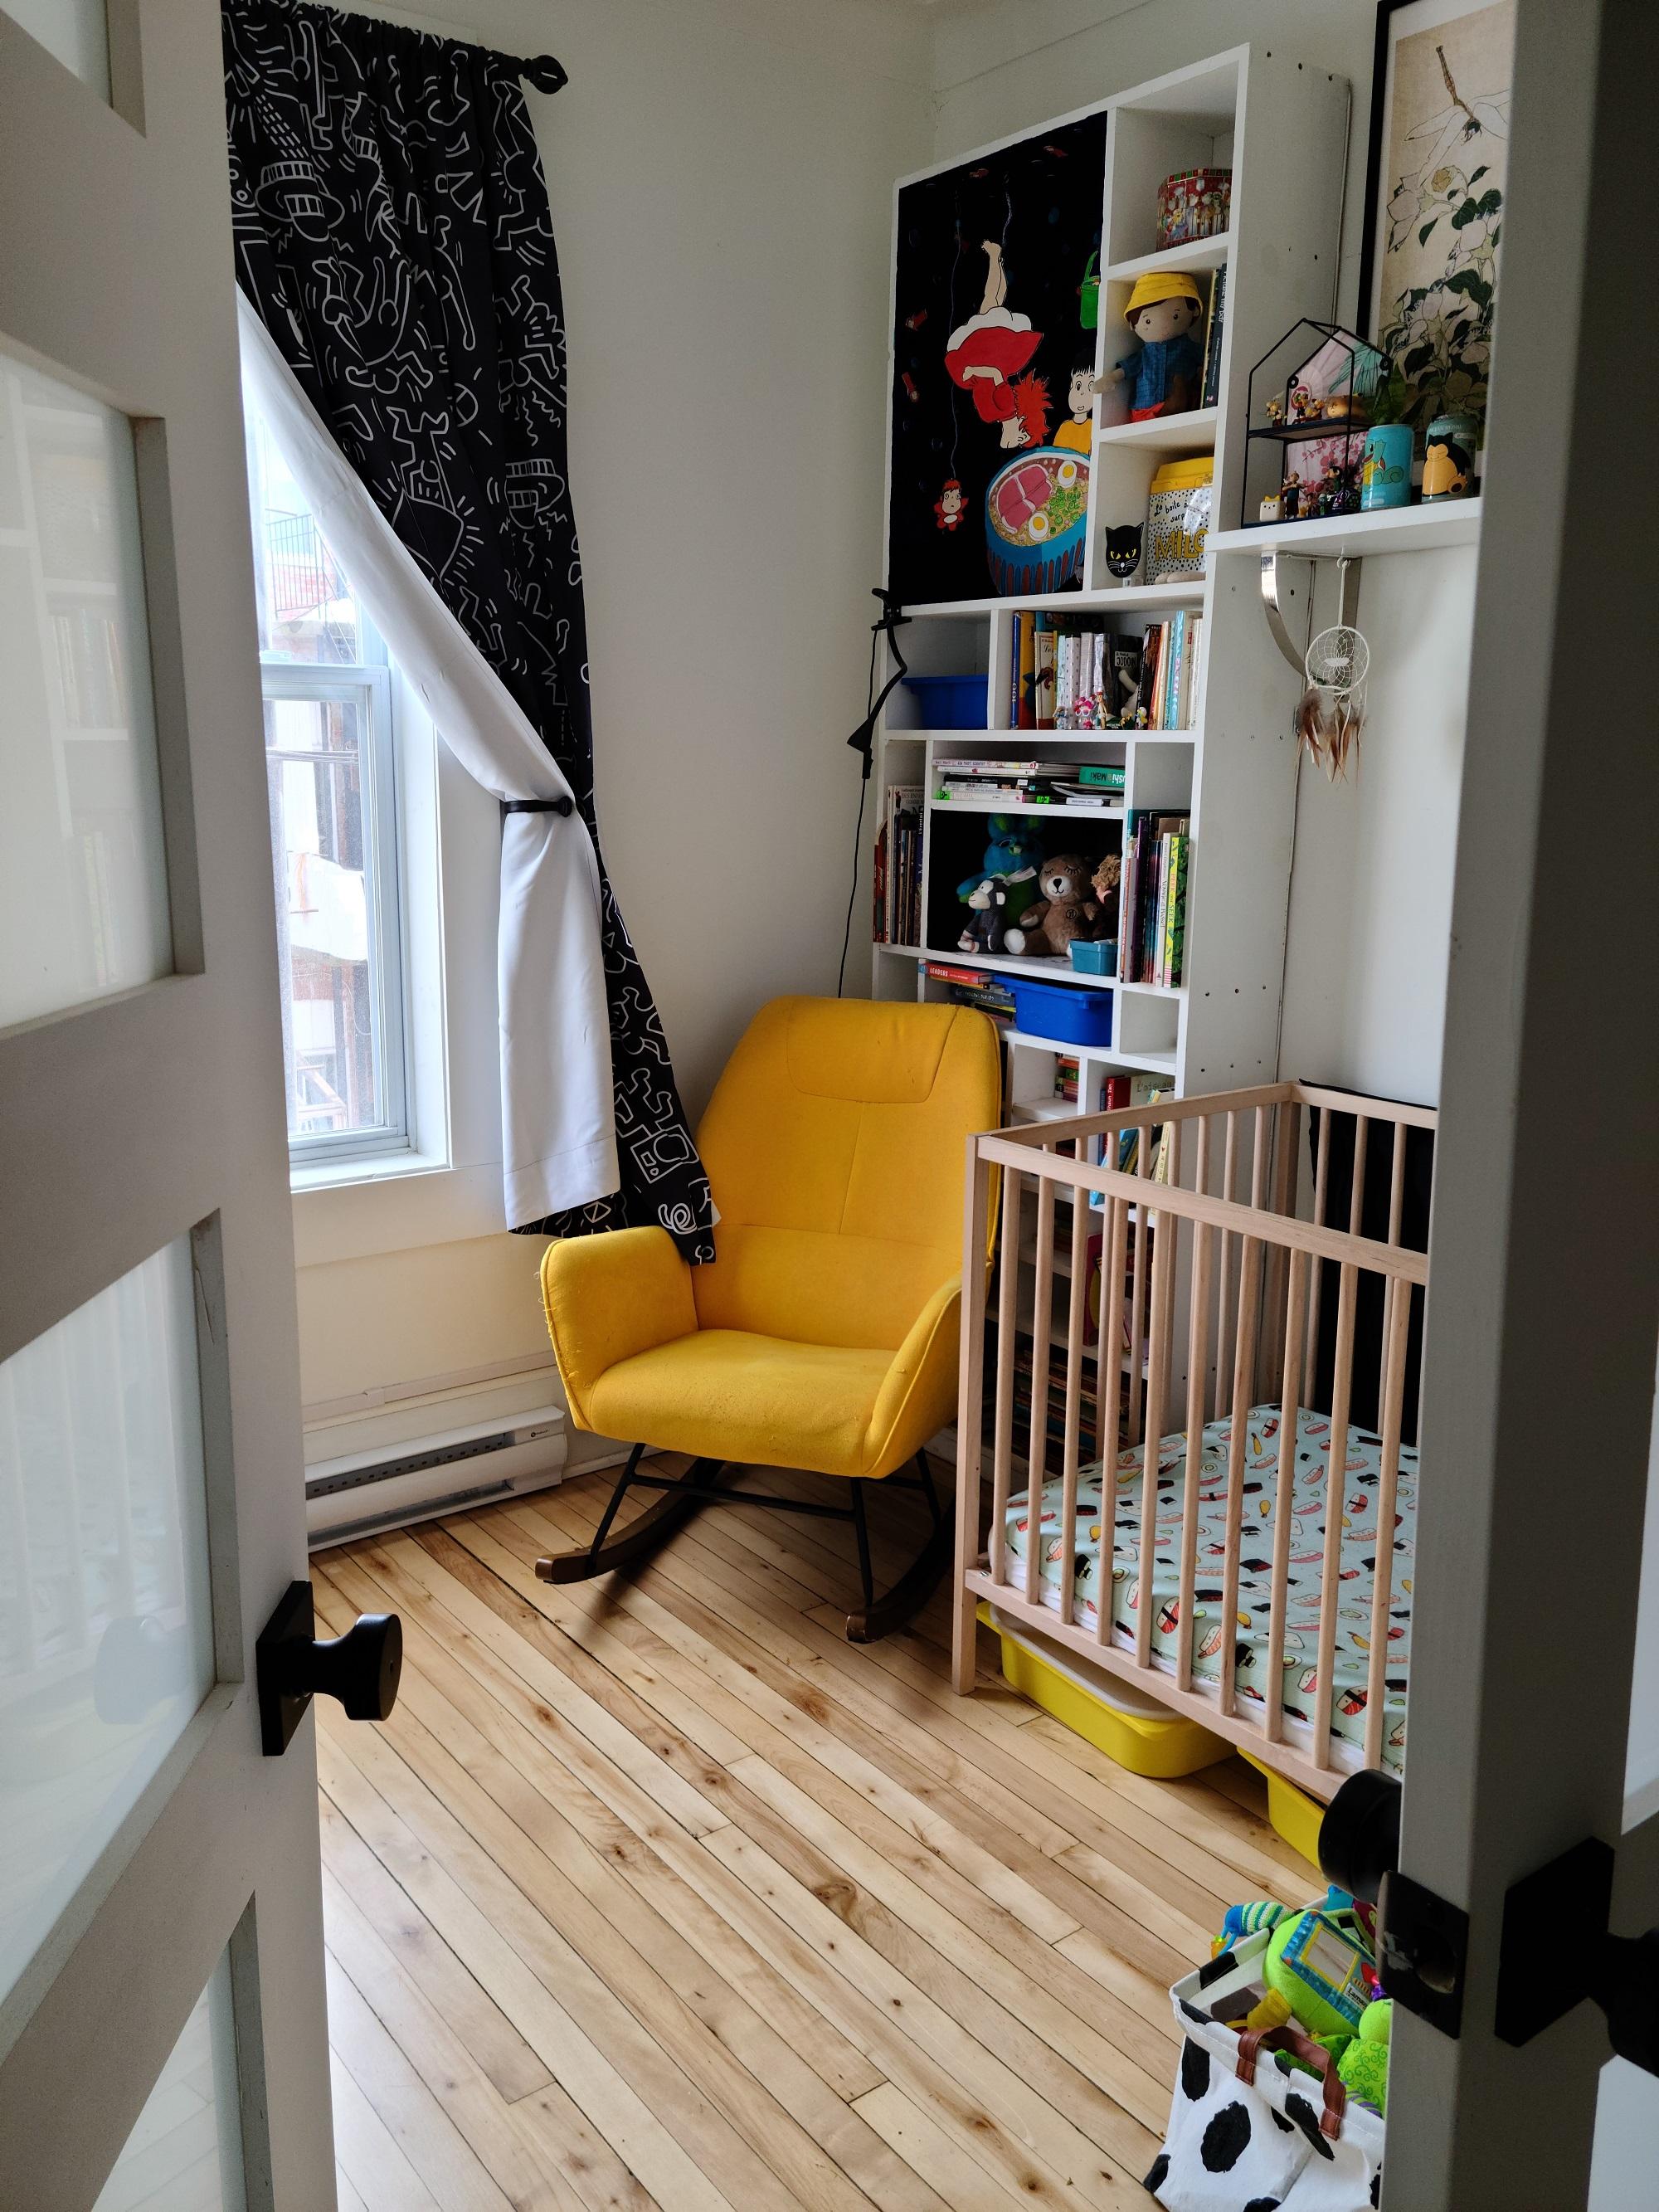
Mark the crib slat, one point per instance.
(1394, 1391)
(1115, 1245)
(1197, 1363)
(1322, 1172)
(1392, 1288)
(1108, 1361)
(1249, 1295)
(1336, 1489)
(1138, 1293)
(1077, 1313)
(1288, 1430)
(970, 1414)
(1224, 1291)
(1002, 1435)
(1286, 1123)
(1042, 1294)
(1152, 1435)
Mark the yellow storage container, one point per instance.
(1135, 1731)
(1295, 1815)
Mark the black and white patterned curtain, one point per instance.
(393, 231)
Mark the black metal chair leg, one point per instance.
(860, 1529)
(926, 1473)
(881, 1616)
(609, 1513)
(681, 1496)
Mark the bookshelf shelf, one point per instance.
(1194, 432)
(1043, 969)
(1358, 537)
(1196, 253)
(1026, 806)
(1131, 598)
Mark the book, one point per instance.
(1210, 382)
(897, 870)
(1047, 675)
(1025, 718)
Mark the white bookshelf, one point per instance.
(1282, 126)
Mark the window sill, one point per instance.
(358, 1209)
(363, 1167)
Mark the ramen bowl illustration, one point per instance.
(1035, 519)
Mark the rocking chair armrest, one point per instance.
(918, 1392)
(609, 1297)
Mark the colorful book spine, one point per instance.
(1044, 680)
(1027, 715)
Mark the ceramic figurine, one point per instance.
(1275, 412)
(1268, 511)
(1304, 408)
(1121, 546)
(1165, 309)
(1289, 500)
(1342, 407)
(1448, 457)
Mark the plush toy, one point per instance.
(1061, 912)
(1166, 309)
(1243, 1920)
(1106, 877)
(998, 892)
(1319, 1964)
(1364, 2064)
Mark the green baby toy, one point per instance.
(1319, 1964)
(1364, 2064)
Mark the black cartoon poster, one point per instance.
(996, 298)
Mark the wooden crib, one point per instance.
(1247, 1311)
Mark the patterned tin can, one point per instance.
(1178, 518)
(1194, 203)
(1385, 475)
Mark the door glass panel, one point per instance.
(105, 1621)
(74, 31)
(184, 2154)
(83, 893)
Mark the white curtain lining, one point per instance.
(558, 1110)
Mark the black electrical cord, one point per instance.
(863, 742)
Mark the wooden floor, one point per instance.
(664, 1894)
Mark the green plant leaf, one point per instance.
(1422, 235)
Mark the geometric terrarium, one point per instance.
(1312, 399)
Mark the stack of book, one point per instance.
(1210, 382)
(972, 987)
(1157, 859)
(1028, 783)
(1088, 1444)
(898, 869)
(1067, 672)
(1168, 665)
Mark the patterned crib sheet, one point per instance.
(1360, 1479)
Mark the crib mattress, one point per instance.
(1360, 1471)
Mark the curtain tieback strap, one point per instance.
(538, 806)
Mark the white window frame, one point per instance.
(368, 683)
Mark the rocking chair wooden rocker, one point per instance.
(823, 1334)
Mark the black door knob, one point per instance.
(360, 1669)
(1359, 1835)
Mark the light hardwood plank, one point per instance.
(656, 1895)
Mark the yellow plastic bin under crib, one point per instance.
(1132, 1729)
(1294, 1814)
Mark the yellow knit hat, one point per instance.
(1161, 284)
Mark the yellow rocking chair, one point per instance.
(823, 1334)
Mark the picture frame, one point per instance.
(1435, 176)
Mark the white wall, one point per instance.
(1370, 903)
(720, 175)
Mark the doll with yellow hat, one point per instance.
(1165, 309)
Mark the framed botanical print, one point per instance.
(1434, 196)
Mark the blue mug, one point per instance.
(1385, 477)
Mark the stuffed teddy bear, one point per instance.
(999, 892)
(1061, 911)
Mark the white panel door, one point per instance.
(1543, 1310)
(163, 2033)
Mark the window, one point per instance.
(331, 774)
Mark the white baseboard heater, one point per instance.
(364, 1492)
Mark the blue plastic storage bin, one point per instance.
(1057, 1011)
(951, 702)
